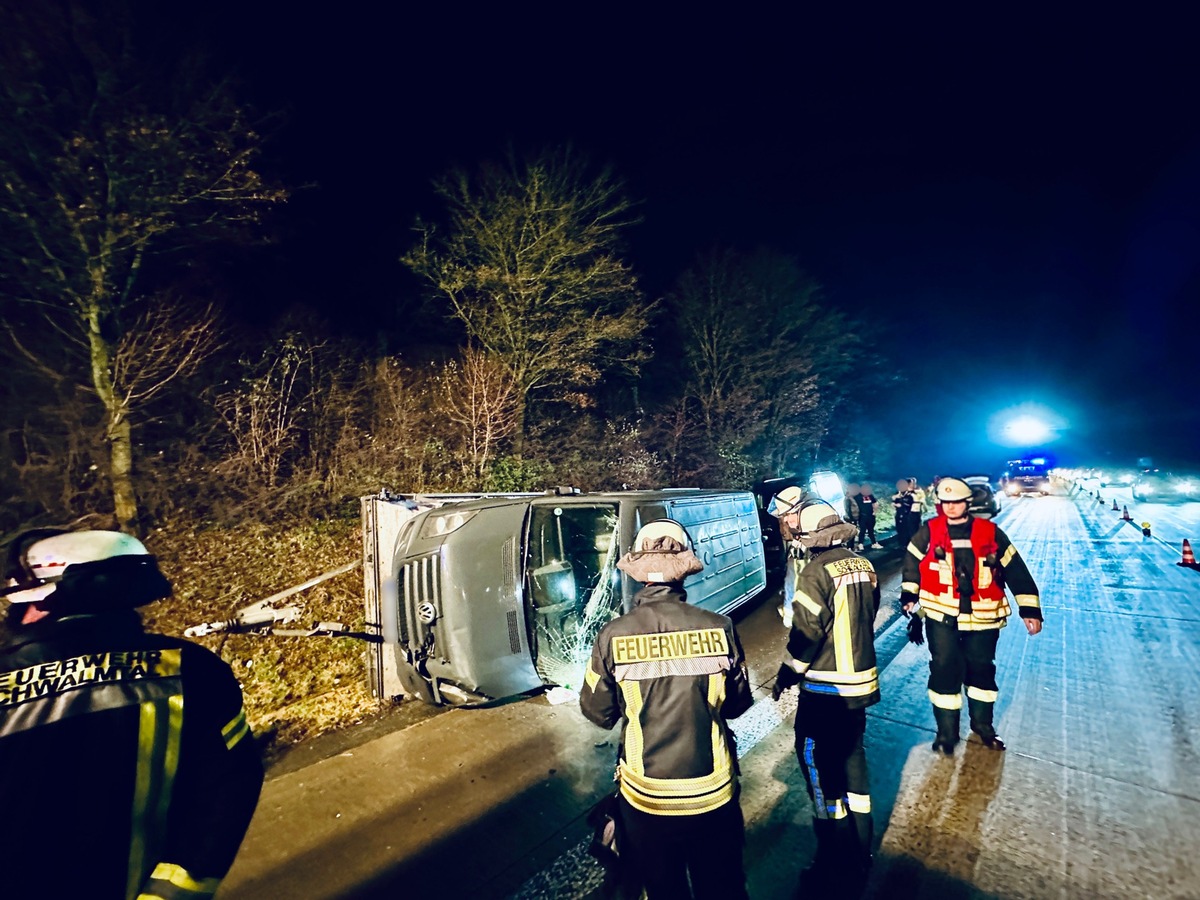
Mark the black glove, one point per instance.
(916, 630)
(785, 678)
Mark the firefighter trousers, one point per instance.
(666, 852)
(962, 657)
(829, 745)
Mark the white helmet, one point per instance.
(952, 490)
(818, 515)
(37, 563)
(786, 501)
(662, 552)
(648, 536)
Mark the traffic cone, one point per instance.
(1114, 504)
(1189, 560)
(1125, 516)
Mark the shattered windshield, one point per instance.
(574, 586)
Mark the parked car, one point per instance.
(984, 502)
(981, 479)
(1118, 477)
(1156, 486)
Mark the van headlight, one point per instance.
(443, 523)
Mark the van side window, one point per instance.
(574, 587)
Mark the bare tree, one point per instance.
(103, 167)
(479, 396)
(530, 265)
(763, 355)
(264, 413)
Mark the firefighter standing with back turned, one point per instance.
(831, 655)
(127, 769)
(955, 573)
(674, 673)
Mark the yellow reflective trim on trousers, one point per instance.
(157, 762)
(237, 729)
(858, 803)
(975, 693)
(634, 739)
(182, 878)
(836, 809)
(945, 701)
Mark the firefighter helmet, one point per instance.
(38, 560)
(649, 537)
(786, 501)
(818, 515)
(952, 490)
(662, 552)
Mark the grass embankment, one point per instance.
(295, 687)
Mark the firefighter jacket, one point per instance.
(832, 641)
(959, 571)
(674, 673)
(126, 765)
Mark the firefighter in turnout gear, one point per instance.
(955, 573)
(673, 674)
(831, 656)
(125, 758)
(785, 506)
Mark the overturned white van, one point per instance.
(479, 597)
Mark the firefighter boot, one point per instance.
(821, 878)
(947, 730)
(981, 723)
(856, 834)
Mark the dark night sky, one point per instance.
(1009, 202)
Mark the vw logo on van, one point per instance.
(426, 613)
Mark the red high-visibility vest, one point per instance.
(938, 589)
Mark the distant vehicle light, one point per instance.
(828, 486)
